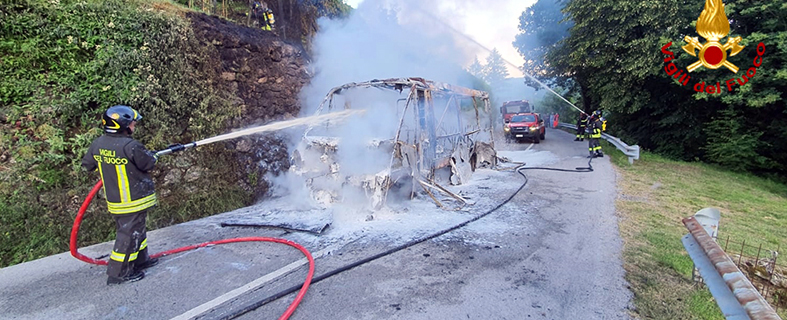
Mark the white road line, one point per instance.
(251, 285)
(530, 146)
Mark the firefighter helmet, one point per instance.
(597, 114)
(119, 118)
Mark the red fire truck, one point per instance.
(510, 108)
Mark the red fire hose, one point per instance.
(287, 313)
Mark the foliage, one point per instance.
(541, 26)
(612, 57)
(476, 68)
(295, 19)
(731, 146)
(489, 77)
(61, 65)
(552, 104)
(494, 70)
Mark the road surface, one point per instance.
(553, 252)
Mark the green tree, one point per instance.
(495, 71)
(613, 55)
(476, 68)
(541, 42)
(759, 105)
(552, 104)
(730, 145)
(541, 27)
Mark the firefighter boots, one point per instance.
(147, 264)
(136, 276)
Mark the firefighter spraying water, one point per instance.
(594, 128)
(124, 165)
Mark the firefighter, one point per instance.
(594, 129)
(123, 164)
(264, 15)
(582, 123)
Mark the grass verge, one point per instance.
(654, 194)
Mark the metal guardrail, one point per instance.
(632, 152)
(737, 298)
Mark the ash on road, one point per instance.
(553, 252)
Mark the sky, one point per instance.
(492, 23)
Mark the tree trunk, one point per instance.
(282, 23)
(585, 93)
(248, 16)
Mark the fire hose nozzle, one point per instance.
(175, 148)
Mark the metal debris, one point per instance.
(438, 126)
(312, 220)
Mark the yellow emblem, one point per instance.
(713, 26)
(114, 116)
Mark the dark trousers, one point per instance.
(130, 245)
(594, 145)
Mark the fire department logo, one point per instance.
(713, 26)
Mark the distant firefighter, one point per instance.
(594, 131)
(263, 15)
(582, 123)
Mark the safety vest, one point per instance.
(271, 20)
(123, 164)
(267, 20)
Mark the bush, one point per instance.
(731, 146)
(62, 63)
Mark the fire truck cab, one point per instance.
(511, 108)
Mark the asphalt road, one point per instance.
(553, 252)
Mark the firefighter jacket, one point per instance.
(595, 128)
(582, 123)
(123, 164)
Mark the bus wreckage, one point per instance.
(437, 134)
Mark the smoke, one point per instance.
(541, 27)
(381, 39)
(385, 39)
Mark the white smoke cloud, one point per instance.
(385, 39)
(381, 39)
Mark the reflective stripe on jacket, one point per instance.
(595, 129)
(123, 164)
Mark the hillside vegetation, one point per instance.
(655, 193)
(624, 56)
(64, 62)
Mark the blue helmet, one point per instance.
(118, 118)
